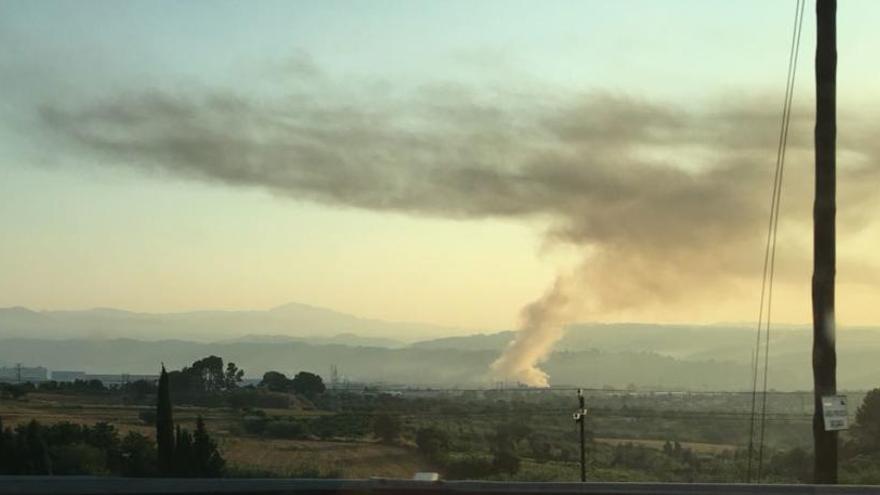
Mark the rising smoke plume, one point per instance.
(666, 203)
(543, 322)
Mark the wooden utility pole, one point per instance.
(824, 210)
(580, 416)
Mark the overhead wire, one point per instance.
(769, 267)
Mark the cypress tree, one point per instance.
(35, 451)
(208, 461)
(164, 426)
(5, 450)
(183, 461)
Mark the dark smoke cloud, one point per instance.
(667, 202)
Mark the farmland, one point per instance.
(246, 455)
(631, 436)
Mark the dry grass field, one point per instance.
(705, 448)
(56, 408)
(244, 454)
(319, 458)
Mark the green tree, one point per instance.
(32, 450)
(433, 443)
(139, 455)
(164, 425)
(505, 461)
(503, 446)
(78, 458)
(541, 447)
(233, 376)
(207, 461)
(210, 370)
(276, 382)
(792, 465)
(185, 384)
(139, 389)
(102, 435)
(308, 384)
(205, 376)
(866, 430)
(71, 449)
(6, 449)
(183, 453)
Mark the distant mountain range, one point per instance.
(723, 348)
(402, 366)
(298, 337)
(289, 320)
(688, 342)
(427, 364)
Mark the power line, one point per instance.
(782, 149)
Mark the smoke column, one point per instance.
(665, 202)
(542, 326)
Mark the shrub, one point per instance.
(387, 427)
(505, 461)
(207, 460)
(78, 458)
(10, 391)
(472, 467)
(866, 430)
(542, 449)
(433, 442)
(245, 398)
(254, 425)
(148, 416)
(340, 425)
(138, 455)
(285, 429)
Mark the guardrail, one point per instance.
(79, 485)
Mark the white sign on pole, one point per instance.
(834, 412)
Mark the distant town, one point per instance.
(40, 374)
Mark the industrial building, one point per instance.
(23, 374)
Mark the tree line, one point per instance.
(100, 449)
(206, 382)
(67, 448)
(179, 452)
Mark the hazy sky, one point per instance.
(411, 160)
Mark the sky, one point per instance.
(437, 161)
